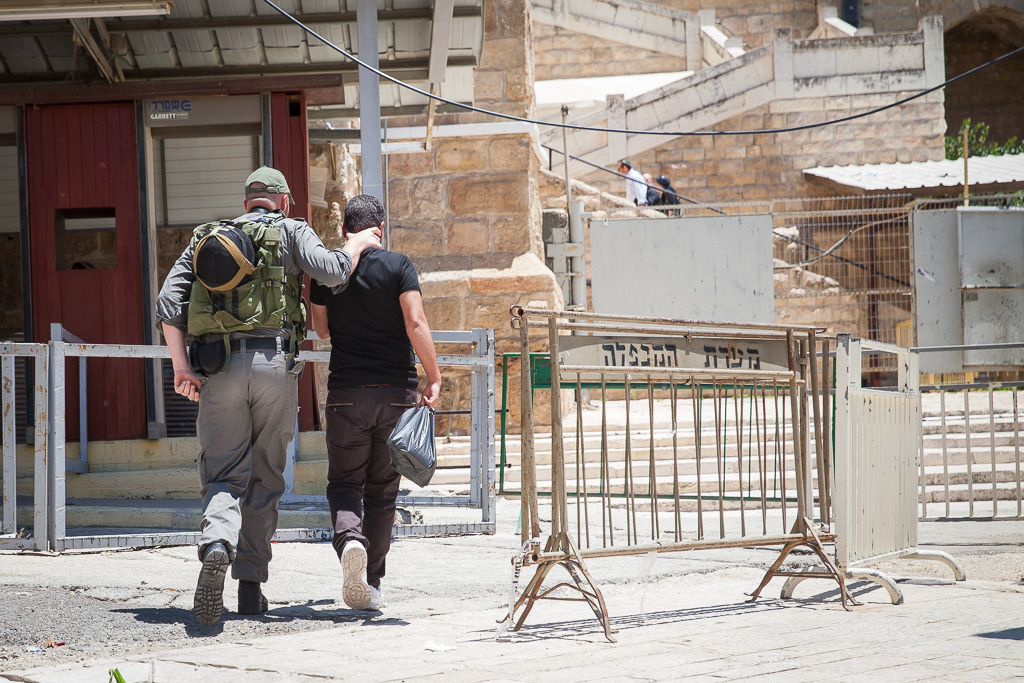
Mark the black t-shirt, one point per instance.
(369, 344)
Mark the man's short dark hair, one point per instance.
(625, 162)
(362, 212)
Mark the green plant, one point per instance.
(978, 144)
(116, 677)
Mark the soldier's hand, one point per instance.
(365, 239)
(186, 384)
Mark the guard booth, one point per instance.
(118, 134)
(111, 192)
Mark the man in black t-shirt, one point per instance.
(377, 328)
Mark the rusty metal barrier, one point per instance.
(732, 448)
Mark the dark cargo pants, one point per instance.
(361, 483)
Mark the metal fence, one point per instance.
(970, 451)
(11, 535)
(482, 489)
(733, 454)
(50, 500)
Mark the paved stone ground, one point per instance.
(685, 616)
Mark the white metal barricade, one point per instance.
(9, 534)
(482, 491)
(877, 442)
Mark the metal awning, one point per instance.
(995, 172)
(236, 40)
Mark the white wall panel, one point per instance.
(710, 268)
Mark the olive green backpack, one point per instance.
(268, 299)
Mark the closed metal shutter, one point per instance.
(201, 179)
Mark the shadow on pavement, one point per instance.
(1008, 634)
(588, 628)
(286, 614)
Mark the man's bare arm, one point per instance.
(185, 381)
(318, 316)
(422, 343)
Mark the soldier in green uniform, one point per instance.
(234, 297)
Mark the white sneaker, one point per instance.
(377, 599)
(355, 590)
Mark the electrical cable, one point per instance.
(627, 131)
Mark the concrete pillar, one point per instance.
(369, 100)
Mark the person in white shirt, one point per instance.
(636, 190)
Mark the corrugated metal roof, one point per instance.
(991, 170)
(239, 38)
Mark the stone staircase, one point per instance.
(728, 80)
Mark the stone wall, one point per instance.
(560, 53)
(467, 211)
(767, 166)
(994, 95)
(755, 21)
(899, 15)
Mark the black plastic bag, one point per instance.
(411, 444)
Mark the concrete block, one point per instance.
(857, 60)
(821, 64)
(902, 58)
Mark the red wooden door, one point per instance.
(85, 252)
(291, 157)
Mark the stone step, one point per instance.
(1005, 473)
(182, 483)
(961, 493)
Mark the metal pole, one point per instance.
(57, 463)
(40, 503)
(475, 444)
(369, 100)
(490, 507)
(798, 434)
(83, 413)
(565, 158)
(559, 506)
(9, 522)
(530, 516)
(967, 201)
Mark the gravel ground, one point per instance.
(128, 602)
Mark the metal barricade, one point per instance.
(482, 489)
(971, 452)
(970, 443)
(737, 457)
(10, 537)
(64, 345)
(876, 469)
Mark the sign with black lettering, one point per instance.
(673, 352)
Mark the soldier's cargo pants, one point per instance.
(246, 420)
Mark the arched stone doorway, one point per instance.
(994, 95)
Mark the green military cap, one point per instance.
(266, 179)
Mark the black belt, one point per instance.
(257, 344)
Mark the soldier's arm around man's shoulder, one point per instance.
(331, 267)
